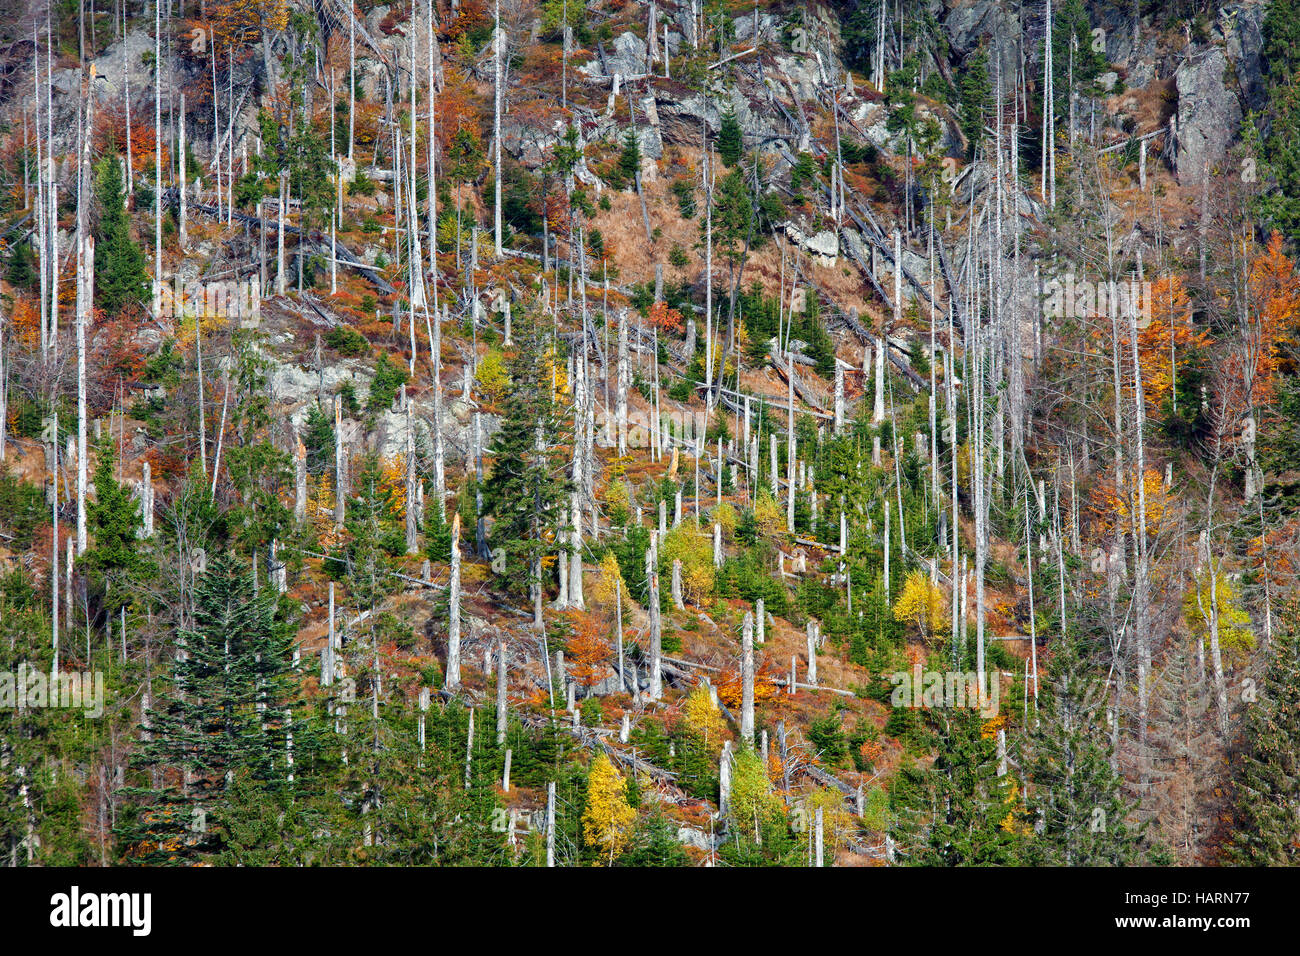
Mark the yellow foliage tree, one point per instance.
(1114, 510)
(838, 824)
(702, 718)
(725, 515)
(610, 576)
(767, 513)
(752, 799)
(608, 820)
(922, 603)
(693, 548)
(1216, 594)
(491, 377)
(559, 375)
(392, 484)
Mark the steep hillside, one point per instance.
(831, 434)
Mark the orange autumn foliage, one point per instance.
(1164, 345)
(1273, 318)
(469, 15)
(456, 109)
(234, 22)
(1273, 554)
(1113, 511)
(588, 651)
(665, 318)
(730, 689)
(25, 321)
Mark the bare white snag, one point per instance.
(299, 481)
(501, 693)
(747, 679)
(453, 609)
(656, 628)
(340, 466)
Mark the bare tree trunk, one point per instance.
(280, 276)
(618, 625)
(157, 146)
(85, 297)
(811, 635)
(501, 693)
(1142, 584)
(550, 824)
(624, 376)
(497, 44)
(789, 444)
(747, 679)
(340, 466)
(411, 525)
(453, 609)
(54, 547)
(656, 627)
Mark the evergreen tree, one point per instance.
(1281, 61)
(629, 161)
(527, 486)
(120, 277)
(1266, 771)
(1073, 797)
(959, 812)
(227, 716)
(655, 844)
(318, 440)
(22, 266)
(1073, 56)
(113, 516)
(975, 90)
(731, 141)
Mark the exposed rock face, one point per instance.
(824, 247)
(971, 21)
(109, 67)
(1243, 32)
(698, 839)
(629, 56)
(1209, 115)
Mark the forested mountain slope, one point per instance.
(641, 433)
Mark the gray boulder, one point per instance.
(1209, 115)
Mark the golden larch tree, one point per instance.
(608, 820)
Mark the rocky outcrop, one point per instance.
(1209, 115)
(970, 22)
(1242, 25)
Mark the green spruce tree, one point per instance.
(1073, 798)
(527, 487)
(1266, 770)
(120, 277)
(959, 811)
(731, 140)
(227, 716)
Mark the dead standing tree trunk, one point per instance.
(453, 609)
